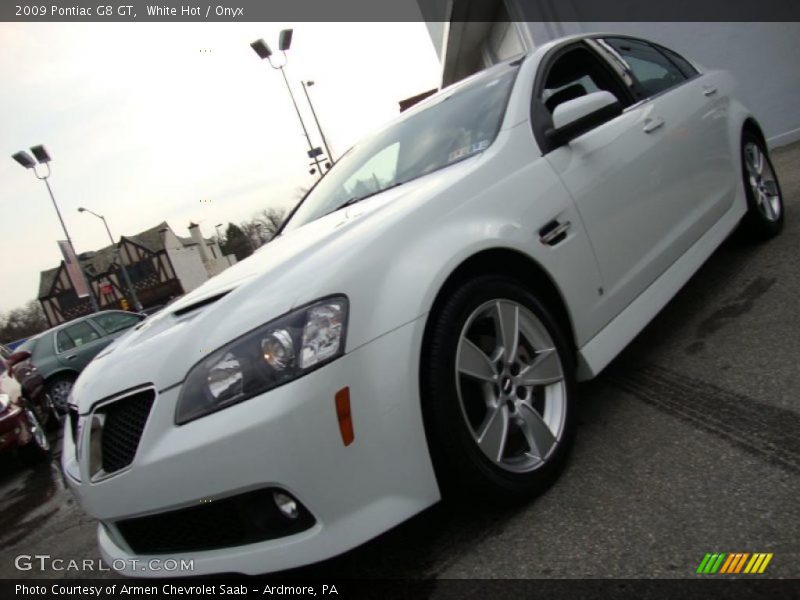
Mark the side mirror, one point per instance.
(577, 116)
(17, 357)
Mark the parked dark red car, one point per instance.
(23, 408)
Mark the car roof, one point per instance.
(61, 326)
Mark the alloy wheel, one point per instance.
(511, 385)
(59, 394)
(763, 182)
(37, 431)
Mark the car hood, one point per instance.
(293, 269)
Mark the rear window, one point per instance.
(653, 71)
(684, 65)
(116, 321)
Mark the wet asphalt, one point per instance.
(688, 443)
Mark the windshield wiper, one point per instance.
(355, 199)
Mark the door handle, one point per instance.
(72, 357)
(651, 125)
(554, 232)
(709, 91)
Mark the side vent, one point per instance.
(200, 304)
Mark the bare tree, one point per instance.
(22, 322)
(263, 225)
(251, 230)
(270, 219)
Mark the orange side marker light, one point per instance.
(343, 414)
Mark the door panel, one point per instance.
(649, 183)
(622, 181)
(78, 344)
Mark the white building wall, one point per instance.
(218, 265)
(763, 57)
(188, 264)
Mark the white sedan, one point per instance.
(418, 327)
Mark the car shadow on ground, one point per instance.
(30, 495)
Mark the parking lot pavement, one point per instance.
(688, 443)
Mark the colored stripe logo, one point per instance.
(731, 563)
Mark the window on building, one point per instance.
(68, 300)
(140, 271)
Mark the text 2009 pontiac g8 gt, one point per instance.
(421, 321)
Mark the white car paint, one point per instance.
(645, 209)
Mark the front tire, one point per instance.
(764, 218)
(58, 389)
(498, 391)
(38, 448)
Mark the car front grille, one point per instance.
(234, 521)
(122, 428)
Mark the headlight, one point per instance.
(269, 356)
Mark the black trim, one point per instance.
(642, 94)
(212, 523)
(201, 303)
(561, 136)
(541, 118)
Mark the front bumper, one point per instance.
(287, 438)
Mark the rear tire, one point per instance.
(498, 392)
(764, 218)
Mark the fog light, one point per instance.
(286, 504)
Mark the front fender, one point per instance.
(518, 195)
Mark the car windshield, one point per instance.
(456, 126)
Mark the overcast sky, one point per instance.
(178, 122)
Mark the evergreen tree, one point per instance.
(236, 242)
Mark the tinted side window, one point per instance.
(78, 334)
(684, 65)
(575, 73)
(653, 71)
(114, 322)
(63, 341)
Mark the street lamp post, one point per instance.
(43, 158)
(306, 85)
(261, 48)
(137, 305)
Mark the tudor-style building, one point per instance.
(160, 264)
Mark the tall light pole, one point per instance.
(306, 85)
(261, 48)
(43, 158)
(136, 304)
